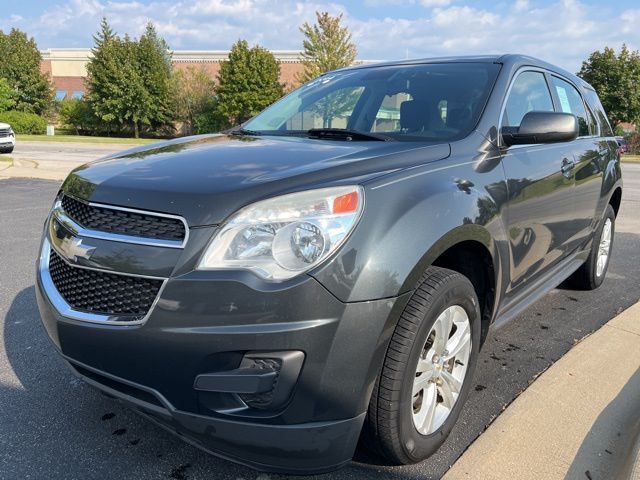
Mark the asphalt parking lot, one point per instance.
(64, 152)
(53, 426)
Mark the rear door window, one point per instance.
(571, 102)
(529, 93)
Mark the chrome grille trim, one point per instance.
(79, 230)
(67, 311)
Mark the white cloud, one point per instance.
(563, 32)
(521, 5)
(435, 3)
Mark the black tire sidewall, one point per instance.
(593, 265)
(417, 446)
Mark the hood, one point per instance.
(207, 178)
(4, 125)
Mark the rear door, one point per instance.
(587, 155)
(540, 208)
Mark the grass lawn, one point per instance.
(630, 158)
(83, 139)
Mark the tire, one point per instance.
(6, 150)
(391, 426)
(590, 275)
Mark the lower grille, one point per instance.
(103, 293)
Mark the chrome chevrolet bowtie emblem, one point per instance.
(72, 248)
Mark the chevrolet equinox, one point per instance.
(329, 270)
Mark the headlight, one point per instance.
(285, 236)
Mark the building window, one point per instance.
(77, 95)
(60, 94)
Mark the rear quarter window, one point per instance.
(594, 102)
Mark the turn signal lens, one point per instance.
(346, 203)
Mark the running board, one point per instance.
(539, 289)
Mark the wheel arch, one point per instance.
(616, 199)
(471, 251)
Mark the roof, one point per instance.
(510, 59)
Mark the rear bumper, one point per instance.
(204, 323)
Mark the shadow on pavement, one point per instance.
(604, 451)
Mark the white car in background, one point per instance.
(7, 138)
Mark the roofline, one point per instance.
(506, 58)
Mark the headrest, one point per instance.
(414, 115)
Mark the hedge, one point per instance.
(22, 122)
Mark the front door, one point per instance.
(540, 208)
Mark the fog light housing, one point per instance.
(262, 381)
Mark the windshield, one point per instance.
(425, 102)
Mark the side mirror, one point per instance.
(542, 127)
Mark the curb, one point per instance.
(576, 420)
(22, 168)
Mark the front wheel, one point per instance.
(6, 150)
(427, 370)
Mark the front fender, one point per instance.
(410, 218)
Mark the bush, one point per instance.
(23, 122)
(76, 114)
(208, 122)
(633, 141)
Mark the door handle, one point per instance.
(566, 167)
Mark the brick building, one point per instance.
(68, 66)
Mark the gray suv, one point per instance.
(330, 269)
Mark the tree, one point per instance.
(616, 78)
(20, 67)
(247, 82)
(154, 67)
(7, 95)
(129, 81)
(105, 77)
(327, 46)
(193, 98)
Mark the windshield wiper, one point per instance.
(345, 134)
(243, 131)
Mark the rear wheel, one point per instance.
(427, 369)
(591, 274)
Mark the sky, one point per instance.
(563, 32)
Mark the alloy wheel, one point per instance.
(604, 247)
(441, 369)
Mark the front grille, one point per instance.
(103, 293)
(5, 132)
(123, 222)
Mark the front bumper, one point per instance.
(209, 321)
(7, 142)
